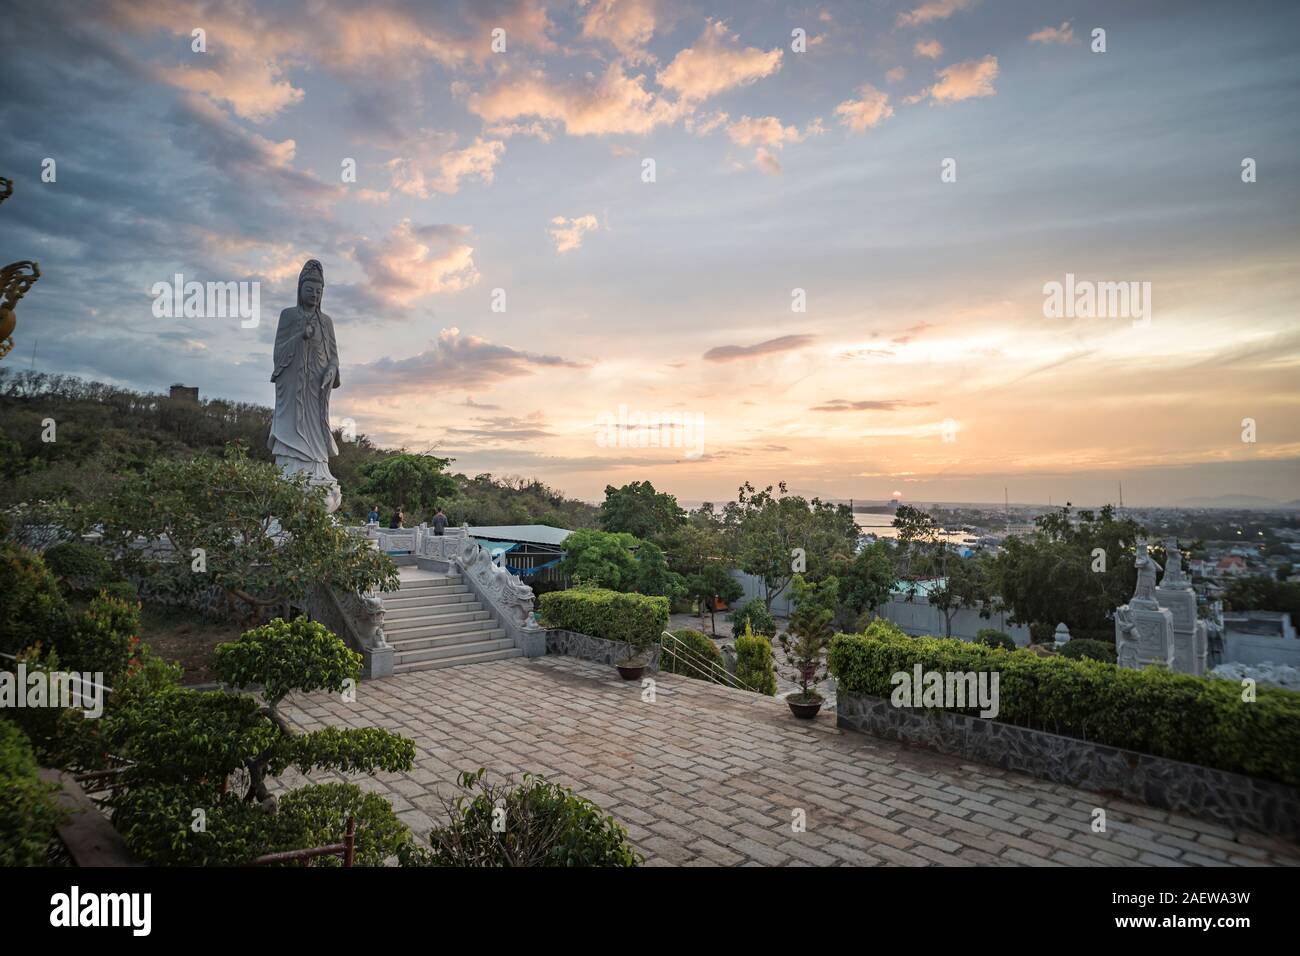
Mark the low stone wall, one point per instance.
(1229, 799)
(573, 644)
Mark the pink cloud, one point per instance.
(717, 63)
(931, 11)
(1064, 34)
(930, 49)
(415, 261)
(869, 110)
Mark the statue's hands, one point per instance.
(327, 380)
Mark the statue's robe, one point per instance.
(301, 427)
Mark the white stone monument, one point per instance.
(306, 371)
(1144, 631)
(1175, 593)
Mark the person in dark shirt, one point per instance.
(398, 518)
(439, 522)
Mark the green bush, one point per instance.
(544, 825)
(122, 590)
(32, 608)
(102, 638)
(754, 667)
(1194, 719)
(634, 619)
(760, 620)
(1040, 633)
(992, 637)
(28, 810)
(1093, 650)
(79, 565)
(697, 645)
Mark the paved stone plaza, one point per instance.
(706, 775)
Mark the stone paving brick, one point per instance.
(708, 776)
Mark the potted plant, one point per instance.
(633, 664)
(804, 644)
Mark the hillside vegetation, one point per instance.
(62, 437)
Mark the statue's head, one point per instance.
(311, 285)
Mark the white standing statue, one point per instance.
(306, 371)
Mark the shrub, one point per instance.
(1040, 633)
(122, 590)
(1093, 650)
(545, 825)
(28, 810)
(31, 607)
(80, 566)
(756, 615)
(697, 646)
(634, 619)
(992, 637)
(754, 667)
(102, 638)
(1194, 719)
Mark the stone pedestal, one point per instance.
(1144, 635)
(1181, 601)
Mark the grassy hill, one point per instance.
(65, 437)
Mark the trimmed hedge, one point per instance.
(699, 645)
(635, 619)
(754, 666)
(1198, 720)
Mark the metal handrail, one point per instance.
(709, 670)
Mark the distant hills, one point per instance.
(1239, 502)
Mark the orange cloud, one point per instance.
(868, 111)
(717, 63)
(931, 49)
(931, 11)
(476, 161)
(962, 81)
(567, 234)
(1064, 34)
(415, 261)
(615, 103)
(627, 25)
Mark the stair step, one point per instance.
(457, 661)
(441, 615)
(434, 627)
(452, 650)
(422, 586)
(446, 640)
(428, 604)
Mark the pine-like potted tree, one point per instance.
(805, 644)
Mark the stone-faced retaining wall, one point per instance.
(573, 644)
(1229, 799)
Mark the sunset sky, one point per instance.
(923, 362)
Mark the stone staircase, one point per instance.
(434, 620)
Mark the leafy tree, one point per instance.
(637, 509)
(601, 558)
(768, 527)
(1074, 569)
(918, 534)
(186, 749)
(407, 481)
(653, 576)
(866, 581)
(713, 581)
(966, 586)
(239, 524)
(1258, 593)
